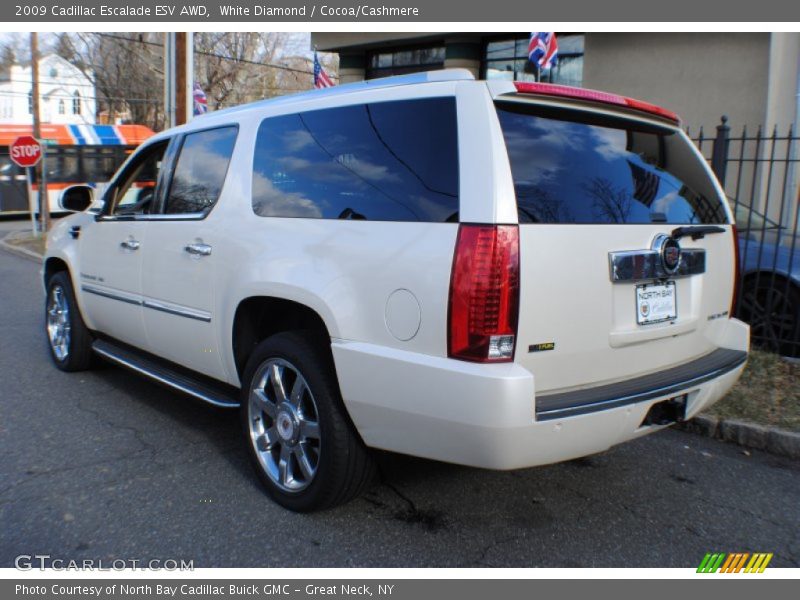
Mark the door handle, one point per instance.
(198, 249)
(130, 244)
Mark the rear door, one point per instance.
(609, 290)
(180, 259)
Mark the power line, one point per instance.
(211, 54)
(126, 99)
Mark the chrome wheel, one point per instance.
(284, 425)
(58, 323)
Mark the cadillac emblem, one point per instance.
(668, 251)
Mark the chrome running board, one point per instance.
(212, 392)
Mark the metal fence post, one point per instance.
(719, 152)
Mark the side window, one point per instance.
(136, 188)
(388, 161)
(200, 170)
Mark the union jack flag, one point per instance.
(200, 100)
(321, 79)
(543, 49)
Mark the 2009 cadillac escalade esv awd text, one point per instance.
(487, 273)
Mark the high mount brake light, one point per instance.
(484, 294)
(565, 91)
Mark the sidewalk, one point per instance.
(8, 237)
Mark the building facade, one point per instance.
(753, 78)
(66, 95)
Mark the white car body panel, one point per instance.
(483, 415)
(109, 271)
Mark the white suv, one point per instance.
(487, 273)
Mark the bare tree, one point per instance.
(231, 67)
(126, 70)
(15, 49)
(610, 202)
(234, 68)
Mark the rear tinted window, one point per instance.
(570, 167)
(388, 161)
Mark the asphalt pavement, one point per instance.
(105, 465)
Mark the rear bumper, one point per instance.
(486, 415)
(669, 382)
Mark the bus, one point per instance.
(88, 154)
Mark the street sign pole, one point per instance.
(43, 204)
(31, 203)
(44, 200)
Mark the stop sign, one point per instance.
(26, 151)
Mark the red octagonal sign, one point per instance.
(26, 151)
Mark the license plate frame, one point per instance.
(659, 309)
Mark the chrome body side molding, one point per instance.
(173, 309)
(181, 311)
(105, 293)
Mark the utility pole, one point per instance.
(178, 77)
(43, 203)
(169, 78)
(181, 113)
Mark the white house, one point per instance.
(66, 95)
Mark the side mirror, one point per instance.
(76, 198)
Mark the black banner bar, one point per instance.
(731, 588)
(372, 11)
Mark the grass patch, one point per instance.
(768, 393)
(28, 242)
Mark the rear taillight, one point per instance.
(736, 272)
(484, 294)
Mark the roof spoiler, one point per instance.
(565, 91)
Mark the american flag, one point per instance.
(200, 100)
(321, 79)
(645, 184)
(543, 49)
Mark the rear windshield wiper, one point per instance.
(696, 231)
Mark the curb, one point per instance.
(21, 252)
(750, 435)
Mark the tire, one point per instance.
(68, 338)
(299, 437)
(772, 307)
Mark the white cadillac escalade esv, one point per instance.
(487, 273)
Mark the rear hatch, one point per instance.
(600, 193)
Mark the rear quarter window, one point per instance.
(387, 161)
(574, 167)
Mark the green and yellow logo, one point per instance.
(735, 562)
